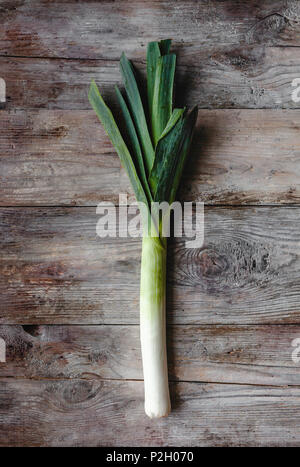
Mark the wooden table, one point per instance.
(69, 300)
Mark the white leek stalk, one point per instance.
(153, 327)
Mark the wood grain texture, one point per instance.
(258, 355)
(65, 158)
(54, 269)
(98, 29)
(80, 384)
(111, 413)
(236, 77)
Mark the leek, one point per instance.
(152, 149)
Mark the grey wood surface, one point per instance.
(55, 269)
(256, 355)
(69, 300)
(85, 29)
(234, 77)
(111, 413)
(53, 157)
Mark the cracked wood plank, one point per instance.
(111, 413)
(258, 355)
(54, 269)
(64, 158)
(98, 29)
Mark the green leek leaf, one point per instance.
(177, 113)
(105, 116)
(170, 155)
(153, 54)
(166, 151)
(134, 143)
(136, 107)
(163, 95)
(165, 46)
(188, 131)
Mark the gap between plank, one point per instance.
(225, 206)
(95, 377)
(169, 325)
(142, 62)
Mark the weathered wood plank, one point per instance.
(238, 77)
(99, 29)
(54, 269)
(64, 157)
(110, 413)
(222, 354)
